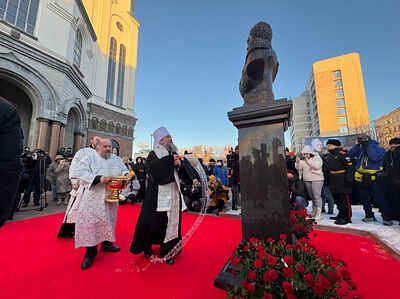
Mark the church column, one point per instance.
(62, 136)
(78, 138)
(42, 133)
(54, 138)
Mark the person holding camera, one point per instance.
(58, 174)
(310, 169)
(218, 195)
(369, 173)
(36, 167)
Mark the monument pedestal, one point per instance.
(263, 179)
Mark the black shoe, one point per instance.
(147, 254)
(24, 205)
(330, 212)
(170, 262)
(342, 222)
(334, 218)
(323, 210)
(36, 204)
(87, 262)
(109, 248)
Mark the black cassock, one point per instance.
(152, 225)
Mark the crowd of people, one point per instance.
(364, 174)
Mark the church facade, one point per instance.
(70, 68)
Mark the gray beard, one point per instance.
(105, 155)
(170, 147)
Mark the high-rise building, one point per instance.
(336, 104)
(387, 127)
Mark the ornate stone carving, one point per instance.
(260, 68)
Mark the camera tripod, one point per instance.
(42, 190)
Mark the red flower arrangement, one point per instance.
(270, 269)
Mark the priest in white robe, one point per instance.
(67, 229)
(96, 218)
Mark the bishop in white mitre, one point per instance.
(96, 218)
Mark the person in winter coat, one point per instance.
(341, 175)
(297, 191)
(141, 174)
(391, 169)
(310, 170)
(221, 173)
(218, 195)
(369, 165)
(59, 172)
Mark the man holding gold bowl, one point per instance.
(102, 174)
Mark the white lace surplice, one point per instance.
(95, 220)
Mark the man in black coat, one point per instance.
(391, 170)
(140, 171)
(160, 217)
(10, 157)
(341, 176)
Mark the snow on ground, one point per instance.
(390, 235)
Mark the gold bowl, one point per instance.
(115, 184)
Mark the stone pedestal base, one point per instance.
(263, 179)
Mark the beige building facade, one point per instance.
(387, 127)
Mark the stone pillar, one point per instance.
(62, 136)
(54, 139)
(41, 139)
(263, 179)
(78, 138)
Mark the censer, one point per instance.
(115, 184)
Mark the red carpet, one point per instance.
(35, 264)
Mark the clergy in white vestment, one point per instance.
(96, 218)
(67, 229)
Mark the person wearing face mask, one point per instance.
(341, 176)
(221, 173)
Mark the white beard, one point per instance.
(105, 155)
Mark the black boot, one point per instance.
(109, 247)
(87, 262)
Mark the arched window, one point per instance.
(115, 147)
(130, 132)
(95, 123)
(78, 48)
(110, 127)
(118, 129)
(121, 75)
(124, 130)
(111, 71)
(103, 125)
(20, 13)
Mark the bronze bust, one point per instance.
(260, 68)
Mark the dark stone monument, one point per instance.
(261, 122)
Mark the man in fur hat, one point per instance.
(341, 175)
(160, 218)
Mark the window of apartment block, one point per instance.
(342, 120)
(20, 13)
(337, 83)
(78, 48)
(339, 93)
(337, 74)
(341, 111)
(343, 129)
(340, 102)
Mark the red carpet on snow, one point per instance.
(35, 264)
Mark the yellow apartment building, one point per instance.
(387, 127)
(340, 96)
(334, 101)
